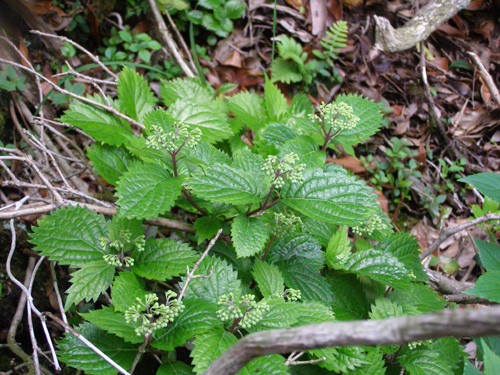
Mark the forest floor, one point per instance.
(414, 162)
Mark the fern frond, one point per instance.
(336, 38)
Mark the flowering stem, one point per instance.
(235, 324)
(268, 247)
(262, 208)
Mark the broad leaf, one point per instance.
(198, 317)
(204, 155)
(70, 236)
(313, 312)
(110, 162)
(89, 282)
(76, 354)
(338, 249)
(206, 227)
(209, 346)
(268, 278)
(296, 246)
(248, 108)
(163, 259)
(406, 249)
(126, 288)
(277, 134)
(147, 191)
(451, 351)
(423, 361)
(331, 197)
(270, 364)
(375, 364)
(118, 225)
(174, 368)
(225, 184)
(370, 119)
(383, 308)
(319, 230)
(281, 314)
(489, 254)
(487, 286)
(275, 101)
(419, 298)
(349, 301)
(252, 164)
(97, 122)
(224, 280)
(249, 235)
(113, 322)
(305, 278)
(492, 342)
(491, 362)
(212, 122)
(185, 88)
(487, 183)
(343, 359)
(379, 266)
(307, 150)
(136, 97)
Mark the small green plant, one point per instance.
(10, 81)
(336, 37)
(285, 258)
(124, 45)
(217, 16)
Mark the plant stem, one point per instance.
(268, 247)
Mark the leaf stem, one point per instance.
(268, 247)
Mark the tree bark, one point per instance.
(396, 331)
(418, 29)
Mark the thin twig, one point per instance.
(190, 274)
(458, 228)
(488, 80)
(74, 44)
(60, 303)
(140, 352)
(292, 360)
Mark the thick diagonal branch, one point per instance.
(458, 323)
(418, 29)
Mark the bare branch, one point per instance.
(488, 80)
(458, 228)
(392, 331)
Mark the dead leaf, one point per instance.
(350, 163)
(233, 60)
(425, 234)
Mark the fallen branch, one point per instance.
(418, 29)
(392, 331)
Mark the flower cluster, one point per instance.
(173, 141)
(245, 309)
(120, 260)
(153, 315)
(284, 169)
(292, 295)
(374, 223)
(335, 116)
(288, 222)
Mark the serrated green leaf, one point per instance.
(405, 248)
(225, 250)
(249, 235)
(338, 249)
(296, 246)
(493, 342)
(174, 368)
(89, 282)
(212, 122)
(204, 155)
(198, 317)
(277, 134)
(489, 254)
(420, 297)
(126, 288)
(70, 236)
(234, 9)
(206, 227)
(136, 97)
(349, 301)
(487, 183)
(249, 108)
(281, 314)
(370, 119)
(110, 162)
(275, 101)
(491, 362)
(286, 71)
(487, 286)
(270, 364)
(118, 225)
(113, 322)
(375, 364)
(305, 278)
(160, 118)
(379, 266)
(331, 197)
(383, 308)
(252, 164)
(147, 191)
(423, 361)
(76, 354)
(313, 312)
(450, 350)
(97, 122)
(224, 184)
(209, 346)
(470, 369)
(185, 88)
(224, 280)
(163, 259)
(340, 359)
(307, 150)
(319, 230)
(268, 278)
